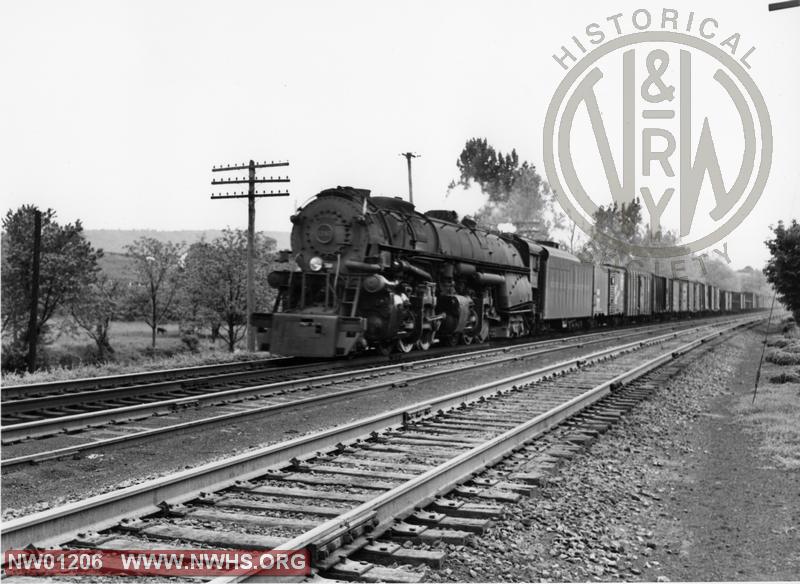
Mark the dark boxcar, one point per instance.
(568, 286)
(600, 302)
(748, 302)
(638, 293)
(660, 295)
(736, 301)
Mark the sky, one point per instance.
(114, 112)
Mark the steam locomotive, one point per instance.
(373, 273)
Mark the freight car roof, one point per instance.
(557, 253)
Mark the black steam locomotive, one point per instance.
(371, 272)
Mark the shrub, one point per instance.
(781, 357)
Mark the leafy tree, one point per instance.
(517, 193)
(493, 171)
(216, 282)
(615, 227)
(93, 310)
(67, 264)
(158, 269)
(783, 267)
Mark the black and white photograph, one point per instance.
(410, 292)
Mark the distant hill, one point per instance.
(115, 240)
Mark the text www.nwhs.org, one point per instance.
(89, 562)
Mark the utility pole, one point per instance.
(251, 196)
(409, 156)
(33, 333)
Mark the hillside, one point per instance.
(115, 240)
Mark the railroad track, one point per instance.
(273, 398)
(10, 393)
(362, 490)
(24, 403)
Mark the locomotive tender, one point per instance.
(372, 272)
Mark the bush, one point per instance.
(192, 341)
(790, 377)
(781, 357)
(13, 358)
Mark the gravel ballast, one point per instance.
(676, 491)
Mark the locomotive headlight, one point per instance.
(315, 264)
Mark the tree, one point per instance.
(68, 263)
(615, 227)
(517, 193)
(158, 270)
(783, 267)
(93, 310)
(491, 170)
(216, 282)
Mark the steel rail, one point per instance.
(12, 393)
(52, 426)
(57, 394)
(57, 525)
(54, 401)
(420, 491)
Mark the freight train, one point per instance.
(373, 273)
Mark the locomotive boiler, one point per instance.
(372, 272)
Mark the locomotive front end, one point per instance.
(317, 295)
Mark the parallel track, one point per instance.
(281, 395)
(289, 496)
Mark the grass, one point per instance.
(74, 356)
(775, 415)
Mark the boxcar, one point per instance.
(616, 290)
(568, 286)
(638, 293)
(748, 302)
(660, 294)
(675, 296)
(736, 301)
(600, 301)
(726, 299)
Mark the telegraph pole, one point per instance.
(409, 156)
(33, 334)
(251, 196)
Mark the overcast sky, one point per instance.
(114, 112)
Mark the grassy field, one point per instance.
(74, 356)
(775, 415)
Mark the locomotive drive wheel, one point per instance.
(405, 346)
(426, 340)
